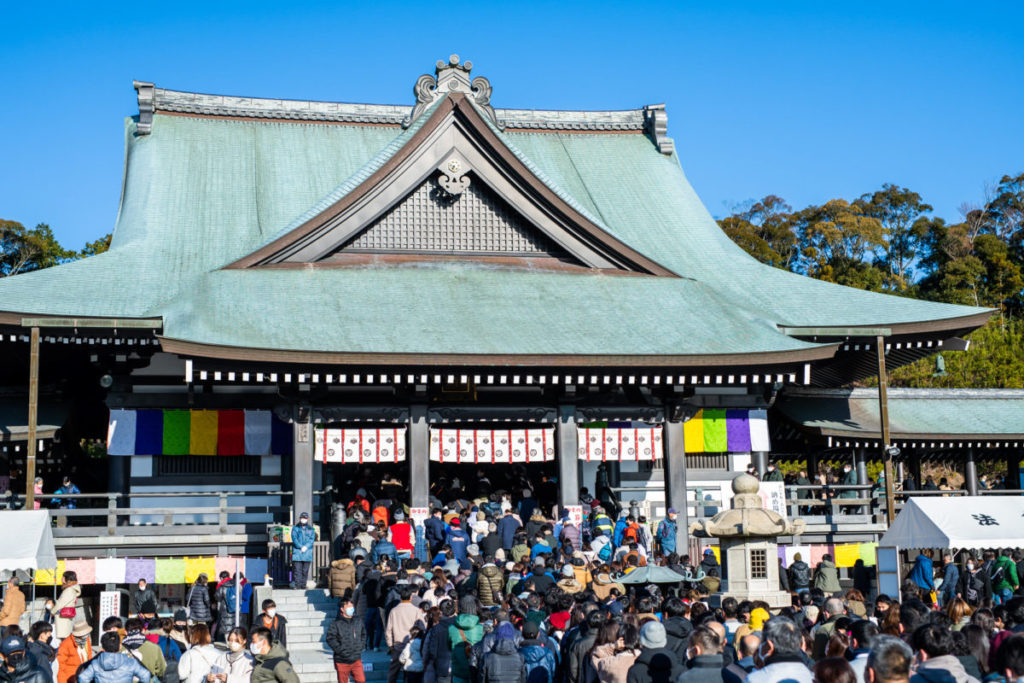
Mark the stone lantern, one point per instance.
(747, 537)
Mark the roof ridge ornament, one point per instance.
(147, 96)
(451, 76)
(656, 125)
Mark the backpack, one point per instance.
(995, 573)
(605, 553)
(974, 587)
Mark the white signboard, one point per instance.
(110, 605)
(773, 496)
(419, 515)
(575, 515)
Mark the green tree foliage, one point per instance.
(23, 250)
(765, 230)
(887, 240)
(897, 209)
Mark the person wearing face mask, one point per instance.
(179, 629)
(67, 608)
(144, 602)
(74, 652)
(235, 665)
(18, 667)
(346, 636)
(974, 585)
(39, 648)
(270, 619)
(272, 662)
(199, 659)
(303, 537)
(772, 474)
(704, 658)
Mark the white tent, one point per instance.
(961, 522)
(26, 541)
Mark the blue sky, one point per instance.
(805, 100)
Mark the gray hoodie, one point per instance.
(944, 669)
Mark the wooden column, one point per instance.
(302, 462)
(1013, 470)
(971, 473)
(675, 482)
(419, 457)
(883, 411)
(31, 447)
(568, 457)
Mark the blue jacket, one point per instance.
(950, 579)
(243, 600)
(667, 536)
(113, 667)
(507, 528)
(381, 548)
(922, 573)
(434, 532)
(458, 540)
(303, 537)
(540, 662)
(620, 527)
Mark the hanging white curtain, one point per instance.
(492, 445)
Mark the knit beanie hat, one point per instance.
(652, 635)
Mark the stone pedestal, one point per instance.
(747, 536)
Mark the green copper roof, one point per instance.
(200, 193)
(913, 413)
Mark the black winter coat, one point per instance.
(503, 664)
(659, 665)
(704, 669)
(199, 603)
(799, 575)
(346, 638)
(25, 671)
(677, 631)
(436, 654)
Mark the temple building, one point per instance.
(297, 291)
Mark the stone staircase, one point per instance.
(309, 613)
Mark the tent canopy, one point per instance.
(962, 522)
(650, 574)
(26, 541)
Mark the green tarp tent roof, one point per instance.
(201, 192)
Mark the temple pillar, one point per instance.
(860, 457)
(970, 472)
(915, 468)
(675, 483)
(302, 462)
(418, 451)
(1013, 470)
(568, 457)
(760, 460)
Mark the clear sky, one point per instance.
(809, 101)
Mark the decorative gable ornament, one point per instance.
(448, 78)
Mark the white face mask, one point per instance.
(235, 646)
(256, 649)
(271, 612)
(349, 611)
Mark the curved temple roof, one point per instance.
(213, 179)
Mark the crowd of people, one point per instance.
(144, 647)
(491, 591)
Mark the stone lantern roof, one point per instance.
(747, 518)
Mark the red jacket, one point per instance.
(402, 536)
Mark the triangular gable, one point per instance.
(455, 150)
(475, 221)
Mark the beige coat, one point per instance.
(602, 588)
(614, 669)
(14, 607)
(401, 619)
(69, 597)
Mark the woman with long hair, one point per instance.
(959, 613)
(67, 610)
(604, 646)
(199, 660)
(197, 601)
(615, 669)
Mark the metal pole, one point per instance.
(33, 419)
(883, 411)
(238, 600)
